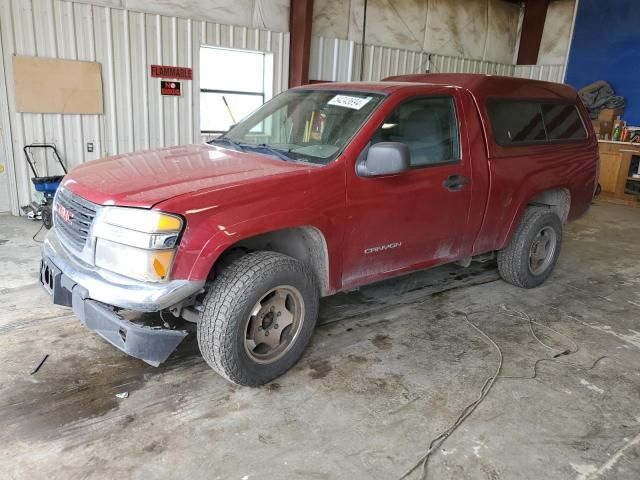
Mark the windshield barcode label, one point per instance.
(356, 103)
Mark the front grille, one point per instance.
(73, 220)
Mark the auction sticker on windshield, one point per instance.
(356, 103)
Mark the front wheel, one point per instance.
(529, 258)
(258, 317)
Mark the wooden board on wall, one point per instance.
(50, 85)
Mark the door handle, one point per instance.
(453, 183)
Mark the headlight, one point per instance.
(137, 243)
(150, 221)
(145, 265)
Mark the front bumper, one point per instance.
(116, 290)
(93, 297)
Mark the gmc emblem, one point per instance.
(64, 214)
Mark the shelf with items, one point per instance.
(632, 185)
(618, 163)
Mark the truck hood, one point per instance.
(144, 179)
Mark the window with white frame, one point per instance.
(233, 83)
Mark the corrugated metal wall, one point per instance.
(479, 29)
(448, 64)
(549, 73)
(339, 60)
(332, 59)
(8, 195)
(125, 43)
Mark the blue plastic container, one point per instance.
(46, 184)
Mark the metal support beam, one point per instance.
(535, 14)
(300, 17)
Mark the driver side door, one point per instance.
(416, 218)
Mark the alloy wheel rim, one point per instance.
(542, 250)
(274, 324)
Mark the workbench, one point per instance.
(618, 162)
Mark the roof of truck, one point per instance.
(479, 85)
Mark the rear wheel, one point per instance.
(258, 317)
(529, 258)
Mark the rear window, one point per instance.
(563, 122)
(516, 122)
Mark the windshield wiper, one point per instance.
(228, 141)
(241, 147)
(273, 151)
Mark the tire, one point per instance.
(243, 302)
(47, 217)
(518, 262)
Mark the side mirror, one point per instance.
(385, 158)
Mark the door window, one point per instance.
(428, 126)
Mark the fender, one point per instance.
(512, 225)
(223, 239)
(574, 176)
(218, 219)
(527, 172)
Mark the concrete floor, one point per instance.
(392, 366)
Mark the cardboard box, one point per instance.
(603, 128)
(610, 114)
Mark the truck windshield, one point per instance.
(303, 125)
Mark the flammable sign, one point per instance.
(170, 88)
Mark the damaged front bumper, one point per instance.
(95, 297)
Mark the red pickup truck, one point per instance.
(323, 189)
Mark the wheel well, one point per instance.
(558, 200)
(306, 244)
